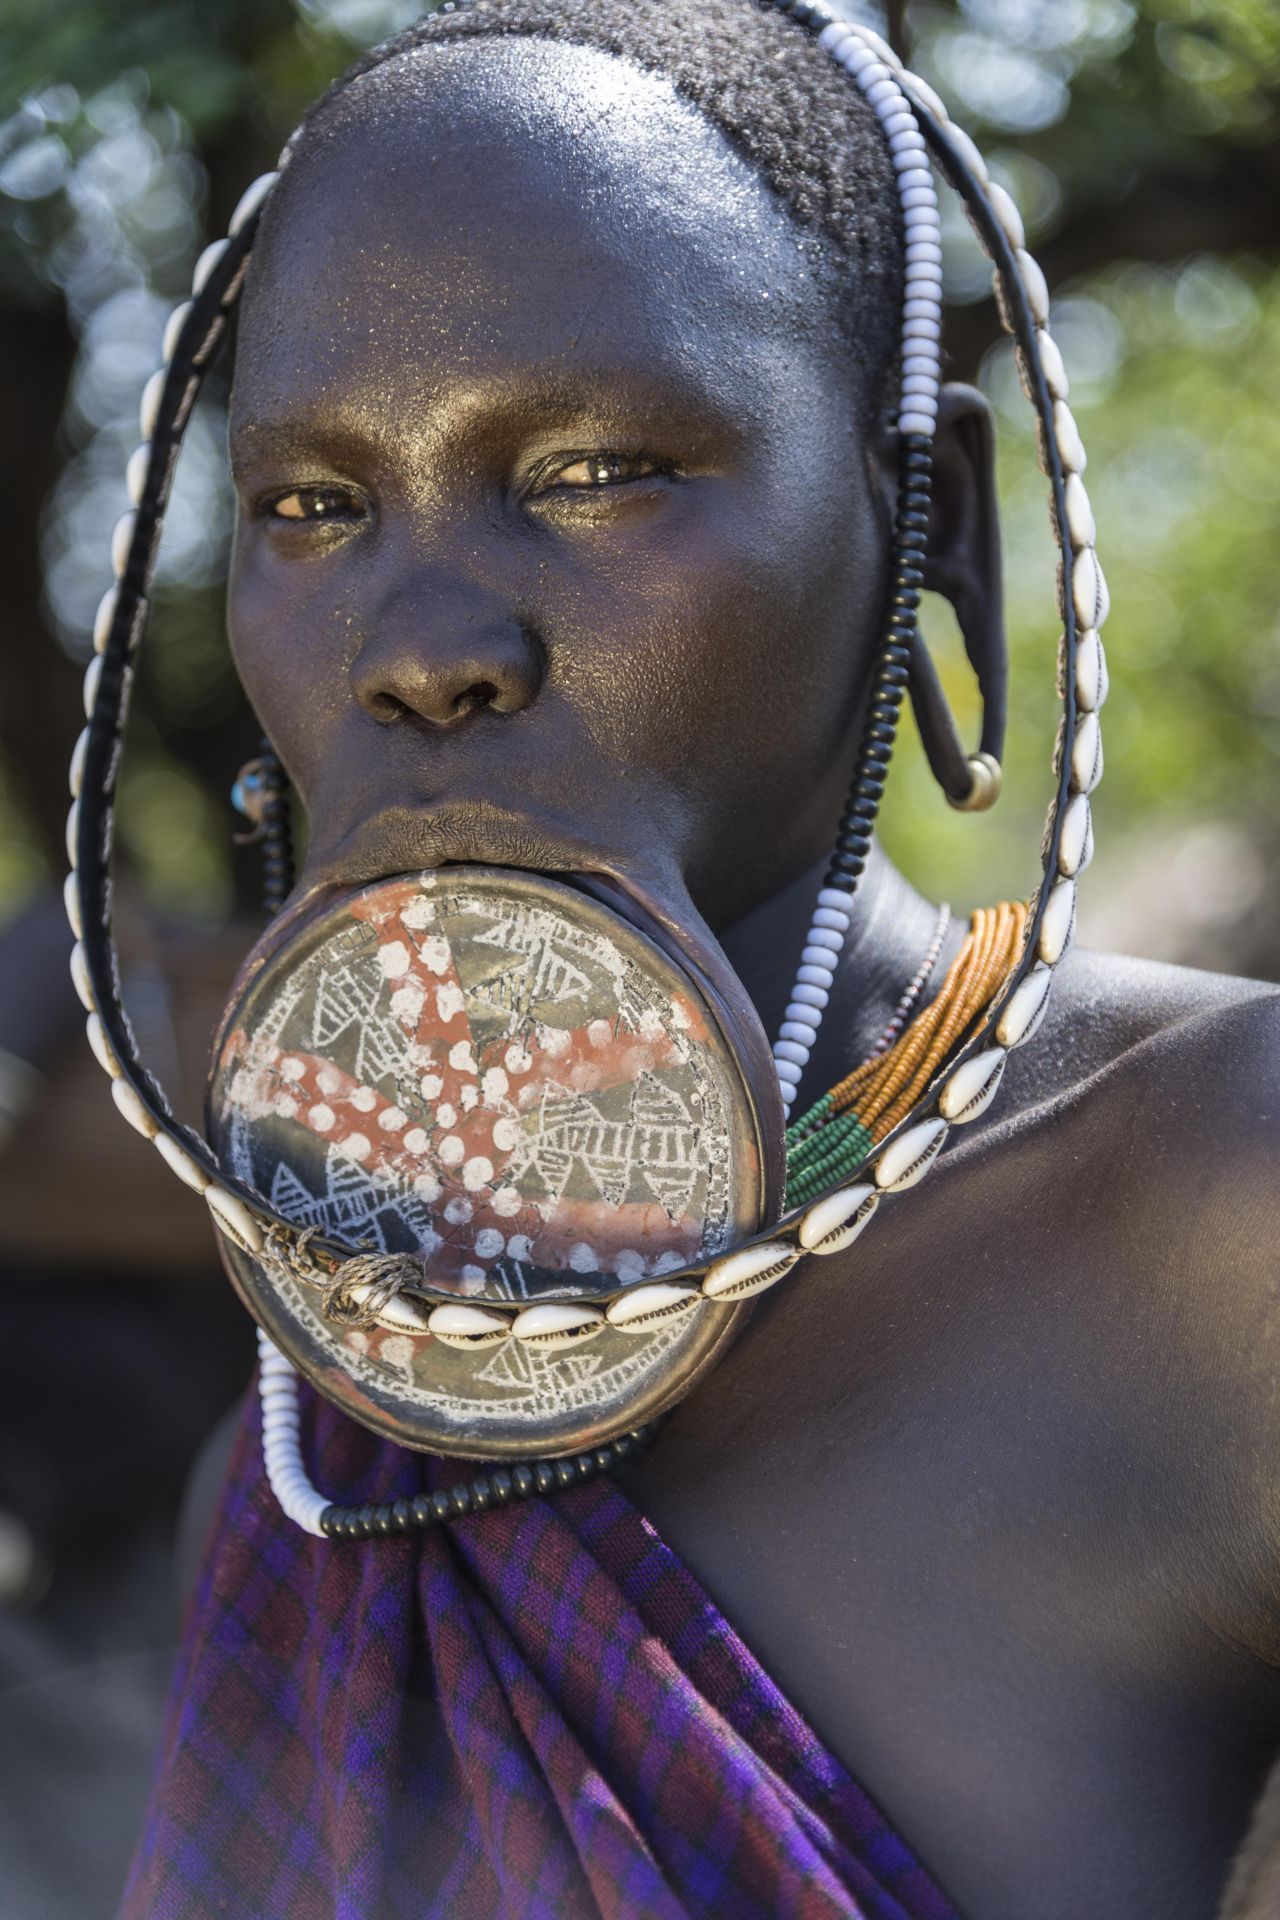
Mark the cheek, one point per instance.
(734, 634)
(291, 642)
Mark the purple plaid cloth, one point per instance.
(532, 1714)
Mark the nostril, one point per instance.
(481, 693)
(419, 672)
(385, 707)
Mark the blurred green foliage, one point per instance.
(1142, 139)
(1176, 377)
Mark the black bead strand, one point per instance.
(277, 844)
(892, 670)
(495, 1488)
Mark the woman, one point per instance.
(565, 500)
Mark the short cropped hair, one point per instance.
(755, 73)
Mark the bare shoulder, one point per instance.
(1179, 1063)
(1164, 1082)
(1151, 1123)
(1109, 1010)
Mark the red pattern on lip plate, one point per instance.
(579, 1147)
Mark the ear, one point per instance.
(963, 563)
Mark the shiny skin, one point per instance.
(991, 1495)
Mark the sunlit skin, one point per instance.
(562, 543)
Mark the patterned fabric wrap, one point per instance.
(531, 1714)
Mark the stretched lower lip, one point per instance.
(417, 842)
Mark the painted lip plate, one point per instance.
(629, 1081)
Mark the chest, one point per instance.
(945, 1494)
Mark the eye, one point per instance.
(314, 504)
(592, 470)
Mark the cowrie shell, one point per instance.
(75, 774)
(179, 1161)
(135, 473)
(132, 1109)
(967, 152)
(205, 265)
(1086, 754)
(973, 1086)
(909, 1157)
(80, 978)
(558, 1323)
(1092, 679)
(92, 675)
(230, 1215)
(749, 1270)
(1081, 524)
(834, 1223)
(464, 1326)
(1027, 1006)
(1067, 434)
(399, 1314)
(97, 1037)
(1089, 593)
(1037, 287)
(1075, 844)
(1058, 926)
(104, 616)
(250, 200)
(149, 406)
(921, 90)
(71, 901)
(640, 1308)
(1006, 212)
(172, 329)
(1053, 365)
(73, 833)
(122, 540)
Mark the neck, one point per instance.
(890, 929)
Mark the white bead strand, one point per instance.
(281, 1449)
(863, 56)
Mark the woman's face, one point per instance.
(559, 544)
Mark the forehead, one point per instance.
(474, 209)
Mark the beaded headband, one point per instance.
(918, 131)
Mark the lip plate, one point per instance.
(495, 1403)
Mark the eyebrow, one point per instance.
(465, 412)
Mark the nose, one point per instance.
(443, 655)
